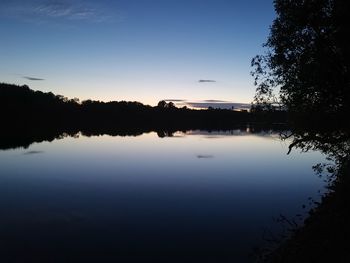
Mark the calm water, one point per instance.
(197, 197)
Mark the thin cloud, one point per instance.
(65, 10)
(206, 80)
(174, 100)
(215, 101)
(204, 104)
(32, 78)
(61, 10)
(218, 105)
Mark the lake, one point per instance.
(196, 196)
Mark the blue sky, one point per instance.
(143, 50)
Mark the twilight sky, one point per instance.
(144, 50)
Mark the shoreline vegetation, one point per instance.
(324, 237)
(25, 107)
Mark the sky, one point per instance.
(188, 51)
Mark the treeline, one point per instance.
(23, 107)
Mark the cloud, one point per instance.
(206, 80)
(66, 10)
(216, 104)
(54, 10)
(32, 78)
(215, 101)
(175, 100)
(220, 105)
(58, 10)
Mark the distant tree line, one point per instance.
(23, 107)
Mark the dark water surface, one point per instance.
(194, 197)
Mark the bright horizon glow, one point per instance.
(136, 50)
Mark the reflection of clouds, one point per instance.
(237, 132)
(204, 156)
(219, 134)
(215, 137)
(33, 152)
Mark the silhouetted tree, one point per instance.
(162, 104)
(171, 105)
(306, 65)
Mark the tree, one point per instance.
(171, 105)
(306, 66)
(162, 104)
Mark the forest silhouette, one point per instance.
(26, 108)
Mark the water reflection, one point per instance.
(196, 196)
(33, 152)
(204, 156)
(10, 138)
(324, 236)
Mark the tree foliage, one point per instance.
(306, 65)
(23, 107)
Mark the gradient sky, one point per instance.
(143, 50)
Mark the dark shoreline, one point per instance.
(324, 237)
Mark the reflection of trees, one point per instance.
(324, 237)
(334, 144)
(165, 133)
(12, 137)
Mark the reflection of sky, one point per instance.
(229, 195)
(134, 50)
(236, 155)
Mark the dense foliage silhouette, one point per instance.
(306, 66)
(25, 108)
